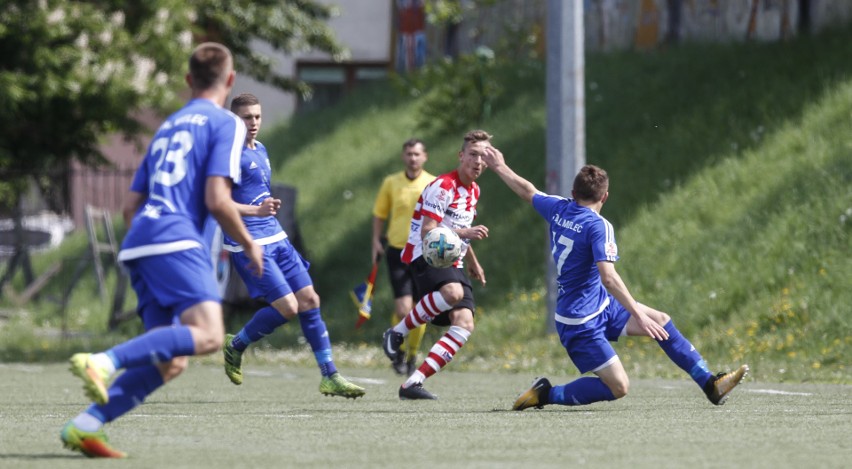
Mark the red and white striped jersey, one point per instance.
(447, 201)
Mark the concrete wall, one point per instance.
(626, 24)
(363, 26)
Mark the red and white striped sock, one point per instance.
(442, 352)
(424, 311)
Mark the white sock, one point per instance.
(103, 360)
(87, 422)
(416, 378)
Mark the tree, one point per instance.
(73, 71)
(459, 89)
(295, 25)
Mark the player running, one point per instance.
(285, 283)
(187, 172)
(445, 296)
(594, 305)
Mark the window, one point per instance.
(331, 81)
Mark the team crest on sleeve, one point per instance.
(610, 249)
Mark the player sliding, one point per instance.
(594, 305)
(285, 283)
(445, 297)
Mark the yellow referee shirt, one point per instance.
(396, 200)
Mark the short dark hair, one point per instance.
(591, 183)
(209, 65)
(411, 142)
(245, 99)
(475, 136)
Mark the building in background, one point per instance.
(365, 28)
(393, 35)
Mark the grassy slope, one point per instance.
(731, 173)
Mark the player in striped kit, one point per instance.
(445, 295)
(594, 305)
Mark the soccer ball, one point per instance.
(441, 247)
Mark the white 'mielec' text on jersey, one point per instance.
(579, 239)
(450, 203)
(198, 141)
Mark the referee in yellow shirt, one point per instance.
(395, 202)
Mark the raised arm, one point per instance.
(494, 159)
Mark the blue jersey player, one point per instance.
(186, 174)
(285, 284)
(594, 305)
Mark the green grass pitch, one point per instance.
(277, 418)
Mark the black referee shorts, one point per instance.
(401, 278)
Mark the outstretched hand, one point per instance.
(494, 159)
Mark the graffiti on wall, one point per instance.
(644, 24)
(410, 35)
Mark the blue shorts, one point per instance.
(168, 284)
(588, 345)
(284, 271)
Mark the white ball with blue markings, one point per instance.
(441, 247)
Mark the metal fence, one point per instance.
(65, 192)
(104, 188)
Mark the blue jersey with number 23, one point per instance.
(200, 140)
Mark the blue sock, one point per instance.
(581, 391)
(128, 391)
(155, 346)
(316, 334)
(684, 355)
(263, 323)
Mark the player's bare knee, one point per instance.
(173, 368)
(287, 306)
(663, 319)
(620, 388)
(452, 293)
(307, 299)
(309, 302)
(214, 342)
(463, 318)
(468, 325)
(206, 342)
